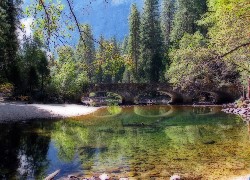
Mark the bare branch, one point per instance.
(231, 51)
(78, 25)
(47, 18)
(76, 21)
(218, 57)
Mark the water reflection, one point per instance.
(154, 111)
(206, 110)
(108, 112)
(139, 142)
(22, 153)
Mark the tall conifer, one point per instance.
(151, 42)
(8, 39)
(167, 17)
(134, 38)
(188, 12)
(86, 50)
(99, 61)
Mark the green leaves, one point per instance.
(230, 29)
(151, 43)
(67, 78)
(8, 41)
(188, 12)
(134, 41)
(112, 59)
(193, 67)
(48, 21)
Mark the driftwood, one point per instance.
(51, 176)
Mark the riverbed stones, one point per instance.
(241, 108)
(104, 176)
(209, 142)
(175, 177)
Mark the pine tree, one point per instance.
(167, 17)
(34, 65)
(8, 40)
(134, 38)
(98, 77)
(125, 52)
(125, 46)
(117, 52)
(151, 43)
(86, 50)
(188, 12)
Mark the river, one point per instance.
(140, 142)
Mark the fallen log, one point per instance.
(51, 176)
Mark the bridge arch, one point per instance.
(129, 91)
(111, 111)
(137, 111)
(214, 97)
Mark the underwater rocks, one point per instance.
(101, 177)
(105, 176)
(241, 107)
(209, 142)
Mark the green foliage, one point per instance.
(188, 12)
(67, 80)
(85, 52)
(68, 135)
(229, 28)
(8, 41)
(192, 68)
(98, 62)
(113, 100)
(151, 43)
(134, 41)
(167, 17)
(201, 44)
(201, 63)
(109, 62)
(6, 88)
(34, 67)
(49, 23)
(114, 109)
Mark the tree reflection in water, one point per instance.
(23, 151)
(153, 144)
(139, 142)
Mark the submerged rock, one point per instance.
(175, 177)
(104, 176)
(209, 142)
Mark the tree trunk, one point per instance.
(248, 89)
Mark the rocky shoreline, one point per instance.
(240, 107)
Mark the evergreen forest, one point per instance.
(191, 44)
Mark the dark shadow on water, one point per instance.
(23, 151)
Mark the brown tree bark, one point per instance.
(248, 89)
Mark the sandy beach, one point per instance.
(19, 111)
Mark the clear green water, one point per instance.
(140, 142)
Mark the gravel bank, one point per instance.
(19, 112)
(241, 107)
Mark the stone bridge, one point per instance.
(129, 91)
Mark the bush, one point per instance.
(6, 89)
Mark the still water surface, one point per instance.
(141, 142)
